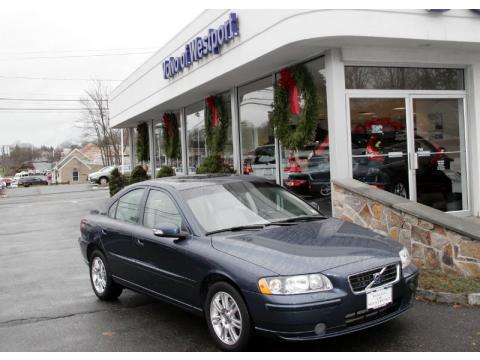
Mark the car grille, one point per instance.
(374, 278)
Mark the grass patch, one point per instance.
(439, 281)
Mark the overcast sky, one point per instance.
(53, 39)
(63, 40)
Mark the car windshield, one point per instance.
(244, 203)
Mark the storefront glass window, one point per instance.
(197, 149)
(228, 150)
(160, 158)
(306, 171)
(196, 142)
(379, 143)
(403, 78)
(257, 136)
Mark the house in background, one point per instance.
(74, 168)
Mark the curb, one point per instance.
(472, 299)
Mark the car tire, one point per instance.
(101, 278)
(103, 180)
(399, 188)
(326, 190)
(227, 317)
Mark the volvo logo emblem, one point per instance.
(376, 278)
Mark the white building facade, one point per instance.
(398, 98)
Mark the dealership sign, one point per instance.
(202, 46)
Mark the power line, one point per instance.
(48, 109)
(53, 100)
(74, 56)
(78, 50)
(53, 79)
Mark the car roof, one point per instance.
(185, 182)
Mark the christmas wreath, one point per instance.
(216, 127)
(295, 124)
(216, 124)
(171, 135)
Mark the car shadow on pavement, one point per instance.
(167, 324)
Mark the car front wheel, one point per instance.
(103, 181)
(101, 278)
(227, 317)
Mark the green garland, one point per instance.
(301, 131)
(216, 136)
(143, 150)
(171, 143)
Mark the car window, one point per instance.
(160, 209)
(129, 205)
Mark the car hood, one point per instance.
(308, 247)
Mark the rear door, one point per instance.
(117, 229)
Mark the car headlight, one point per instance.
(405, 257)
(299, 284)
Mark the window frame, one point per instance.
(141, 205)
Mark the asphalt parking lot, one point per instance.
(46, 303)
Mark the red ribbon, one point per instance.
(287, 81)
(167, 121)
(213, 110)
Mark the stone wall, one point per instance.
(431, 244)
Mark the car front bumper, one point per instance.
(322, 315)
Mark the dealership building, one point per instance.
(398, 95)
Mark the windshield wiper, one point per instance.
(250, 227)
(238, 228)
(301, 218)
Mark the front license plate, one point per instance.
(379, 298)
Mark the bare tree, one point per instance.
(95, 122)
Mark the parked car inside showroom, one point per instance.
(379, 160)
(249, 256)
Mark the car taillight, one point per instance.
(294, 168)
(247, 170)
(293, 183)
(83, 225)
(378, 186)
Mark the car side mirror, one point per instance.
(169, 231)
(314, 205)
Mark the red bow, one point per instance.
(287, 81)
(167, 121)
(213, 109)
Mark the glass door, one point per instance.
(379, 143)
(439, 155)
(412, 146)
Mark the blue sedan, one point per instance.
(249, 256)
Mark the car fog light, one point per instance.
(320, 328)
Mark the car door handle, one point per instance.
(140, 242)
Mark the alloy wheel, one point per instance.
(226, 318)
(99, 275)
